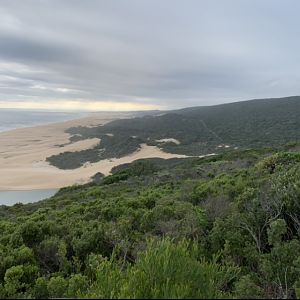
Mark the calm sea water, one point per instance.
(12, 197)
(15, 118)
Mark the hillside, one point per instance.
(193, 131)
(225, 226)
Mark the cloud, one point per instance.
(148, 53)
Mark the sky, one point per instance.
(146, 54)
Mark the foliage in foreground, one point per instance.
(220, 227)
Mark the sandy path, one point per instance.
(23, 153)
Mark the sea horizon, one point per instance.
(11, 119)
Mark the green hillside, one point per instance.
(225, 226)
(200, 130)
(222, 226)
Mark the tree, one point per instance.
(164, 270)
(57, 287)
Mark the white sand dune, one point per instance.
(23, 154)
(169, 140)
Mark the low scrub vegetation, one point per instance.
(226, 226)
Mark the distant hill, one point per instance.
(193, 131)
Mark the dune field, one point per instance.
(23, 154)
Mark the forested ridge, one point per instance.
(198, 130)
(225, 226)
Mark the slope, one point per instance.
(199, 131)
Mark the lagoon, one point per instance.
(12, 197)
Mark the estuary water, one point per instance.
(12, 197)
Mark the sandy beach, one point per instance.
(23, 154)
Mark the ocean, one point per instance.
(15, 118)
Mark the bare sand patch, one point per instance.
(41, 175)
(168, 140)
(23, 154)
(223, 146)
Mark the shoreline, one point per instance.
(23, 154)
(77, 121)
(68, 116)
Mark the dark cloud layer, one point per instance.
(168, 54)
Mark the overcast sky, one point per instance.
(146, 54)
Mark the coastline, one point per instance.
(23, 154)
(33, 118)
